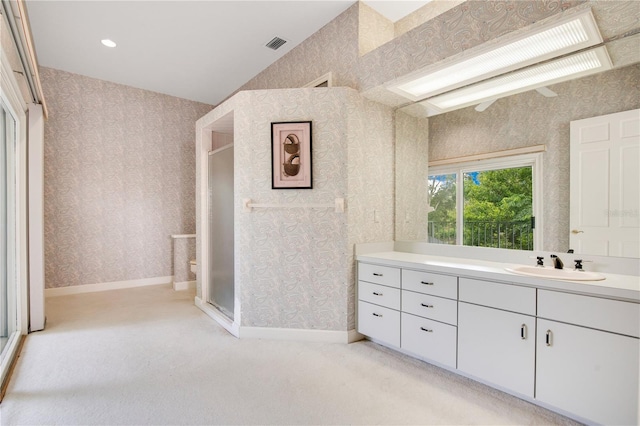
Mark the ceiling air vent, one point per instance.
(276, 43)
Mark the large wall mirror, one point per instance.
(535, 120)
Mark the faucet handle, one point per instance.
(579, 263)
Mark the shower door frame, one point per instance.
(204, 132)
(211, 297)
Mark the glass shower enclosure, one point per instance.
(221, 234)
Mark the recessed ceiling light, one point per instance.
(108, 43)
(573, 33)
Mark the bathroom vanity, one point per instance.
(572, 347)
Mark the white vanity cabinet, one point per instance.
(583, 369)
(568, 346)
(496, 334)
(379, 303)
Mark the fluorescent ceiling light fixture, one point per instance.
(573, 33)
(567, 68)
(108, 43)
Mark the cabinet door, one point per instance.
(497, 347)
(591, 373)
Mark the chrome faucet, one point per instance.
(557, 263)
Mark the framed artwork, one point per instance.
(291, 155)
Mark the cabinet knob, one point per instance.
(426, 329)
(375, 274)
(426, 306)
(548, 338)
(377, 315)
(377, 294)
(523, 331)
(426, 283)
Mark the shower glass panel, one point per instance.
(221, 265)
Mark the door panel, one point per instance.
(605, 185)
(497, 346)
(591, 373)
(221, 233)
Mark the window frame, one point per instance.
(533, 160)
(14, 105)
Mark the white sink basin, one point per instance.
(556, 274)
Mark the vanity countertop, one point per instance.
(623, 287)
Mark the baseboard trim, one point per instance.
(184, 285)
(296, 334)
(218, 317)
(354, 336)
(114, 285)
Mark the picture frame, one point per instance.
(291, 162)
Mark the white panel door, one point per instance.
(605, 185)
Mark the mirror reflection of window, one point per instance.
(442, 198)
(493, 209)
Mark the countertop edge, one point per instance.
(495, 271)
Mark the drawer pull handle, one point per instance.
(426, 306)
(377, 294)
(426, 283)
(548, 338)
(375, 274)
(523, 331)
(426, 329)
(377, 315)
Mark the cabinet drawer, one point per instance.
(379, 323)
(379, 294)
(385, 275)
(604, 314)
(432, 307)
(428, 283)
(429, 339)
(501, 296)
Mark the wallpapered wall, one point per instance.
(335, 47)
(371, 181)
(294, 267)
(412, 157)
(531, 119)
(118, 179)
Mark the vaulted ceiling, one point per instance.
(197, 50)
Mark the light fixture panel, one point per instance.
(560, 37)
(581, 64)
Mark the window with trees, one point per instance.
(485, 204)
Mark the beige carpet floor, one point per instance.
(149, 356)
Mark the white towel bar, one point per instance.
(338, 205)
